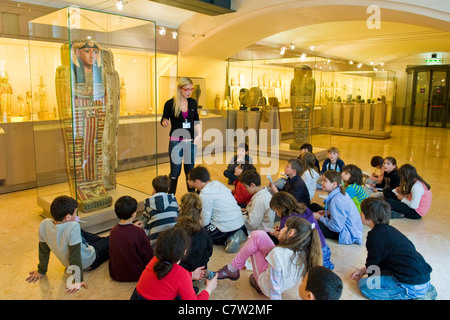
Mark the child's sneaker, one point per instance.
(234, 240)
(225, 273)
(431, 294)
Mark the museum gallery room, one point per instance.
(353, 79)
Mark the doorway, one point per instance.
(430, 97)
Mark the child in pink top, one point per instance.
(413, 196)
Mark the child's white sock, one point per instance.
(231, 268)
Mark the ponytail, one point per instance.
(305, 243)
(170, 247)
(162, 268)
(314, 257)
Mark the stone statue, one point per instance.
(303, 88)
(21, 105)
(88, 89)
(123, 97)
(196, 95)
(243, 98)
(29, 101)
(254, 97)
(6, 92)
(110, 134)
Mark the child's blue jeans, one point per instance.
(387, 287)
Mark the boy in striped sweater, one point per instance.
(161, 209)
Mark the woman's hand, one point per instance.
(165, 122)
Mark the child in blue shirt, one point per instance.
(343, 222)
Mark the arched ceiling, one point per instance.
(333, 27)
(336, 28)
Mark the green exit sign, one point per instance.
(433, 61)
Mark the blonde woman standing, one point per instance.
(185, 132)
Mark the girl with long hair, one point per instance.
(191, 220)
(413, 197)
(285, 206)
(277, 268)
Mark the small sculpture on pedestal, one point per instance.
(43, 107)
(6, 92)
(123, 97)
(303, 88)
(243, 98)
(21, 105)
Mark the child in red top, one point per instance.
(241, 194)
(164, 278)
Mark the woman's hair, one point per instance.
(286, 204)
(190, 218)
(305, 243)
(335, 176)
(356, 175)
(308, 159)
(170, 247)
(183, 81)
(408, 176)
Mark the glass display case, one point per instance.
(348, 99)
(90, 72)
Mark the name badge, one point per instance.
(186, 125)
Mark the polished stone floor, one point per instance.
(426, 148)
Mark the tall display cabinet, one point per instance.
(344, 99)
(89, 71)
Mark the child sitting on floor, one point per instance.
(258, 214)
(160, 210)
(321, 283)
(412, 198)
(241, 194)
(285, 206)
(307, 147)
(294, 183)
(310, 175)
(191, 221)
(340, 218)
(129, 248)
(353, 180)
(164, 278)
(72, 246)
(396, 271)
(333, 162)
(277, 268)
(240, 157)
(391, 179)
